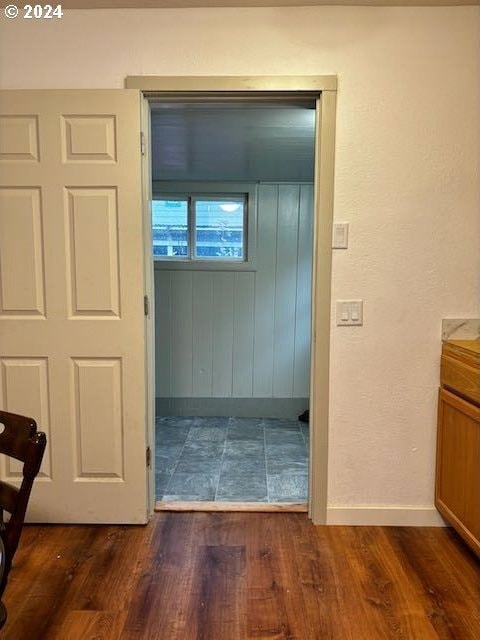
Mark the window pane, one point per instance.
(219, 233)
(170, 228)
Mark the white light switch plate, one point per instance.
(340, 235)
(349, 313)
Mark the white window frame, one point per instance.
(219, 190)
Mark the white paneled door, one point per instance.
(72, 326)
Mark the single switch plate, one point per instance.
(349, 313)
(340, 235)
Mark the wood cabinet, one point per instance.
(457, 490)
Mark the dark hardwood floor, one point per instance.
(239, 576)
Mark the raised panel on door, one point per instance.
(89, 138)
(97, 414)
(19, 138)
(92, 251)
(24, 389)
(22, 289)
(72, 326)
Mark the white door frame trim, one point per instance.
(323, 89)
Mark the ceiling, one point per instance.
(164, 4)
(233, 142)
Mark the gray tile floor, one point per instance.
(231, 459)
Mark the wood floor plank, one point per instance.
(442, 575)
(387, 590)
(273, 609)
(92, 625)
(161, 596)
(355, 617)
(217, 597)
(60, 563)
(241, 576)
(321, 583)
(113, 569)
(221, 529)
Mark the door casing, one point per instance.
(269, 88)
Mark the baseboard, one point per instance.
(227, 407)
(385, 515)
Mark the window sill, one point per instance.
(200, 265)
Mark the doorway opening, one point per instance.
(232, 230)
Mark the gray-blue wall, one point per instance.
(243, 334)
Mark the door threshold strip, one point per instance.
(293, 507)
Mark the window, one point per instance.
(202, 230)
(170, 228)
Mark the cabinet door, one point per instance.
(457, 494)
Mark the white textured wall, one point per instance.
(407, 179)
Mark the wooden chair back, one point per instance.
(19, 439)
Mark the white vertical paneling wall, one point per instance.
(265, 289)
(222, 361)
(225, 334)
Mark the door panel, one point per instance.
(21, 290)
(16, 375)
(72, 328)
(92, 252)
